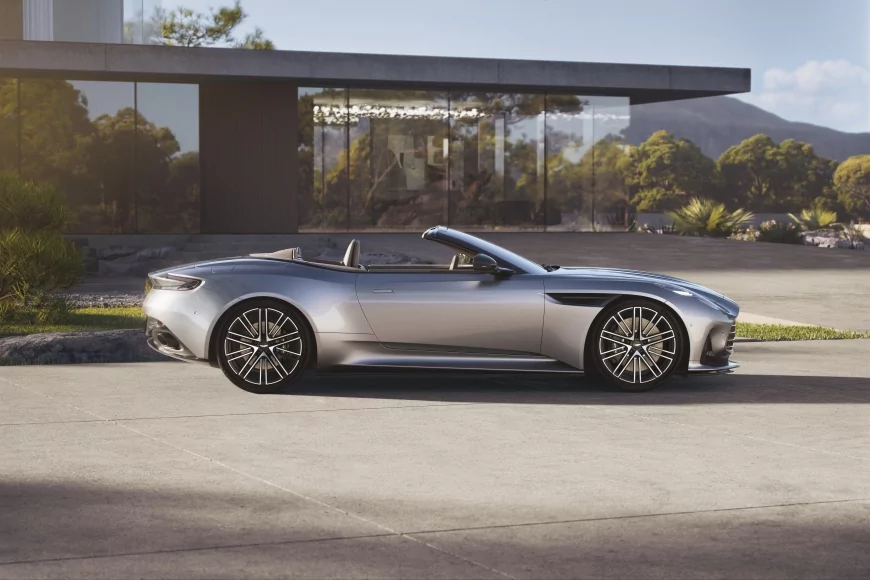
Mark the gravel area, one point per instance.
(105, 300)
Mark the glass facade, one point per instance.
(390, 160)
(124, 155)
(110, 21)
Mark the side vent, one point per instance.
(578, 299)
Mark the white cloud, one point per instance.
(833, 93)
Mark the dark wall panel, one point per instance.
(11, 20)
(248, 155)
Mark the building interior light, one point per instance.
(338, 114)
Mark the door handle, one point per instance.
(382, 291)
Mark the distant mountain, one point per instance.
(717, 123)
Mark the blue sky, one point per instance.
(809, 58)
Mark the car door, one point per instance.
(467, 310)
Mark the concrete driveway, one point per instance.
(165, 470)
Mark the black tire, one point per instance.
(263, 346)
(635, 345)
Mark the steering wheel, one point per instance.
(454, 262)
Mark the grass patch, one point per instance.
(775, 332)
(117, 318)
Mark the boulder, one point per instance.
(108, 346)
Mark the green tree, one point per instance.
(186, 27)
(752, 172)
(852, 184)
(665, 171)
(808, 177)
(764, 175)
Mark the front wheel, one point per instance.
(636, 345)
(263, 346)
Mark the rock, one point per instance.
(108, 346)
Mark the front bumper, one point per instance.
(700, 369)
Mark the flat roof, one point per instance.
(127, 62)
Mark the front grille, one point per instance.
(729, 344)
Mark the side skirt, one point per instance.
(359, 352)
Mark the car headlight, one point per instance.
(173, 282)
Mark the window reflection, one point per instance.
(611, 199)
(140, 21)
(167, 158)
(121, 169)
(570, 178)
(79, 137)
(497, 160)
(9, 154)
(397, 159)
(323, 187)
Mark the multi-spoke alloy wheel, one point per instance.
(263, 346)
(637, 345)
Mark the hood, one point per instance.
(720, 300)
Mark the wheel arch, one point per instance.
(682, 365)
(215, 331)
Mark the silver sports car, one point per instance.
(265, 318)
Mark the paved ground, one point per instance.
(164, 470)
(794, 283)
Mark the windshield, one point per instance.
(478, 245)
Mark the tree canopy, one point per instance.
(852, 183)
(665, 172)
(186, 27)
(767, 176)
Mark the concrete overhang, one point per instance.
(124, 62)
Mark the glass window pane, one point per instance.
(398, 159)
(611, 196)
(140, 21)
(88, 21)
(79, 137)
(9, 125)
(322, 186)
(570, 179)
(167, 158)
(496, 160)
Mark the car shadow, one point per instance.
(578, 390)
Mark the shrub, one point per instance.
(780, 232)
(32, 265)
(815, 218)
(35, 258)
(707, 217)
(852, 233)
(30, 207)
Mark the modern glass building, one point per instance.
(152, 139)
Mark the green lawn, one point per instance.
(85, 319)
(785, 332)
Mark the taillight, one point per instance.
(172, 282)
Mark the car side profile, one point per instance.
(265, 318)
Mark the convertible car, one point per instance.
(265, 318)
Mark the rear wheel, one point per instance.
(636, 345)
(263, 346)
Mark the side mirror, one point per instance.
(484, 263)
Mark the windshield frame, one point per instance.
(473, 245)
